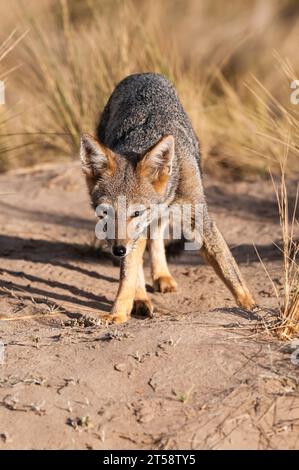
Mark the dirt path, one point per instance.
(197, 375)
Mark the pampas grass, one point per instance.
(231, 66)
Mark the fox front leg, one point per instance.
(162, 279)
(129, 268)
(142, 305)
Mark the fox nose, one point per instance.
(119, 250)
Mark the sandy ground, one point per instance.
(200, 375)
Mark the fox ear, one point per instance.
(157, 163)
(96, 159)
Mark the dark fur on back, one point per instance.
(142, 109)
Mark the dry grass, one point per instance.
(231, 65)
(6, 114)
(286, 326)
(289, 307)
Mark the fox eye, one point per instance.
(137, 213)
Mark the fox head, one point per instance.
(124, 189)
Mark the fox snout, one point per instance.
(119, 250)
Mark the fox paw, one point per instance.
(245, 300)
(114, 318)
(143, 308)
(165, 284)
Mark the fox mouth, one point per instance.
(119, 256)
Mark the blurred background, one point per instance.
(232, 63)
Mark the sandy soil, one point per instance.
(199, 375)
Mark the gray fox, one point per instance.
(146, 150)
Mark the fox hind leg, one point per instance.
(217, 254)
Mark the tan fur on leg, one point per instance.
(162, 279)
(217, 253)
(123, 304)
(142, 305)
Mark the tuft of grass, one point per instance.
(287, 325)
(289, 307)
(6, 114)
(76, 66)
